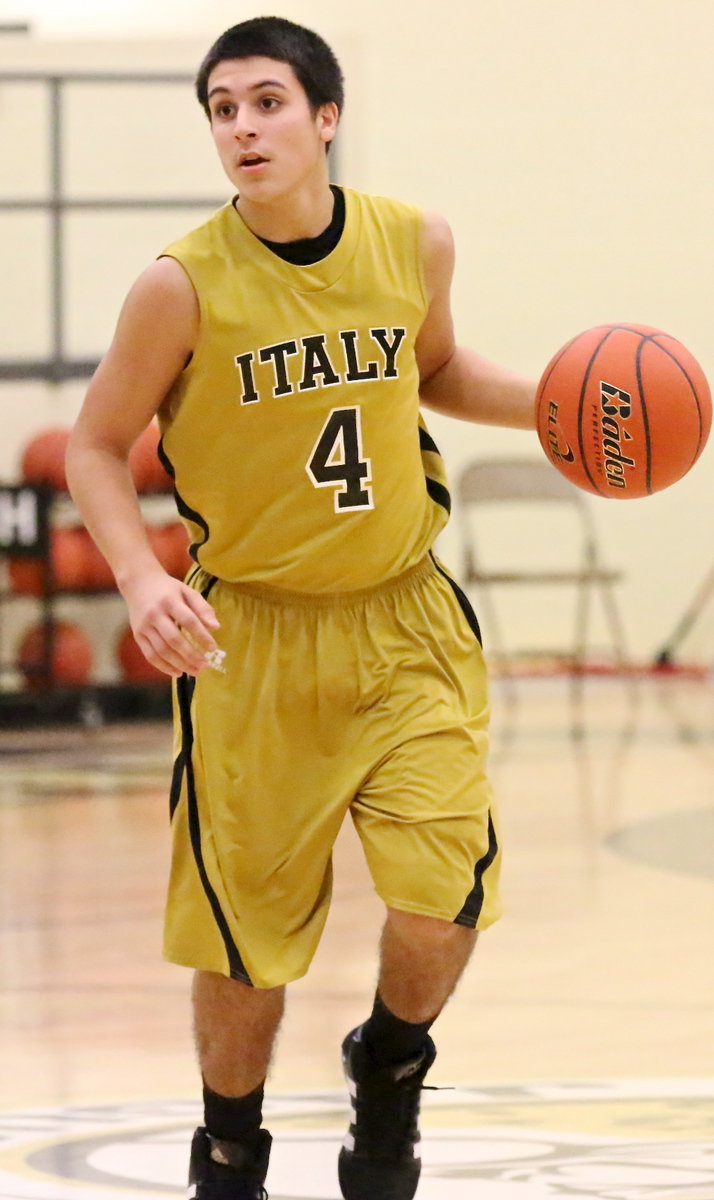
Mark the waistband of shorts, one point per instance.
(408, 579)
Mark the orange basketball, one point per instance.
(71, 657)
(43, 459)
(623, 410)
(134, 667)
(77, 566)
(170, 545)
(146, 467)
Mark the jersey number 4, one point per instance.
(337, 461)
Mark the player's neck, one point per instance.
(304, 213)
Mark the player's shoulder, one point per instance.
(162, 285)
(436, 232)
(437, 235)
(385, 207)
(206, 238)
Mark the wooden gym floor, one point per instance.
(579, 1047)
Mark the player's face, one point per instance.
(268, 139)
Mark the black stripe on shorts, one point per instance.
(464, 602)
(471, 910)
(183, 767)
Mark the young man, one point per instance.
(285, 346)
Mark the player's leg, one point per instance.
(426, 820)
(421, 961)
(261, 785)
(386, 1059)
(235, 1027)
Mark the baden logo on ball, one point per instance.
(623, 410)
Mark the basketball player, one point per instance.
(325, 661)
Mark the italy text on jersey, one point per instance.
(361, 359)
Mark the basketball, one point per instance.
(623, 410)
(43, 459)
(77, 566)
(71, 657)
(146, 467)
(170, 545)
(134, 667)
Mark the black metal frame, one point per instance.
(57, 367)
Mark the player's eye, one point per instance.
(223, 110)
(268, 103)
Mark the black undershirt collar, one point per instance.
(305, 251)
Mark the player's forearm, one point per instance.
(473, 389)
(101, 486)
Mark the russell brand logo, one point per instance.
(615, 412)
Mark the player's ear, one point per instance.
(328, 116)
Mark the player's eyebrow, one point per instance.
(254, 87)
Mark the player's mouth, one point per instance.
(251, 162)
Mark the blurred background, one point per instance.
(567, 142)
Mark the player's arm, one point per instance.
(455, 380)
(155, 334)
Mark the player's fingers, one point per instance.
(175, 646)
(163, 644)
(153, 654)
(197, 621)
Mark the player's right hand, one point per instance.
(172, 623)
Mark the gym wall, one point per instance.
(566, 141)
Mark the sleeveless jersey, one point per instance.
(294, 436)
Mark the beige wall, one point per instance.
(568, 142)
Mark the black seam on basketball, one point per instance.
(584, 387)
(645, 419)
(546, 378)
(184, 690)
(697, 401)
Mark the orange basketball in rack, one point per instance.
(170, 545)
(146, 467)
(71, 659)
(134, 667)
(43, 459)
(623, 410)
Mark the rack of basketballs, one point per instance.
(53, 651)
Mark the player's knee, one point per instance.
(427, 932)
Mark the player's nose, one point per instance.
(243, 126)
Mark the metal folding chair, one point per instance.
(484, 488)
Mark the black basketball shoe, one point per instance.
(380, 1156)
(221, 1170)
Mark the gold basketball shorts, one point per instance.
(372, 703)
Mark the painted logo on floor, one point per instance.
(644, 1140)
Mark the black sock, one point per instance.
(234, 1119)
(389, 1039)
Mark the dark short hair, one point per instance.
(312, 60)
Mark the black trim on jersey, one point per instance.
(183, 766)
(464, 602)
(304, 252)
(471, 911)
(426, 441)
(182, 506)
(438, 493)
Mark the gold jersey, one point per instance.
(294, 435)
